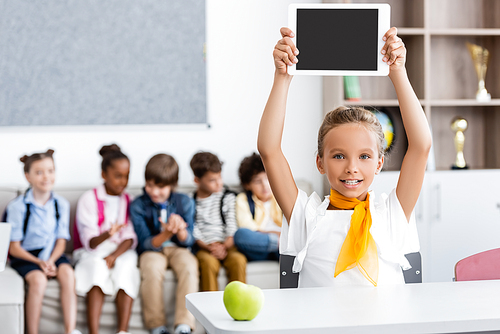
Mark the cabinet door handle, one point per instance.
(437, 214)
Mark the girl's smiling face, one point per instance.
(116, 177)
(350, 159)
(42, 175)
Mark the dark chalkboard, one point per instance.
(82, 62)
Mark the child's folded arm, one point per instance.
(128, 233)
(186, 243)
(144, 237)
(188, 212)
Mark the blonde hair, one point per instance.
(357, 115)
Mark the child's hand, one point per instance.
(218, 250)
(52, 268)
(114, 229)
(110, 260)
(285, 53)
(394, 50)
(175, 224)
(49, 268)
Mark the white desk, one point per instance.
(452, 307)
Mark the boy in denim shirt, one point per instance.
(163, 222)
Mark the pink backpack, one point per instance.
(100, 213)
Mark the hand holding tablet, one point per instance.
(338, 39)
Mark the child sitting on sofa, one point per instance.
(104, 242)
(163, 221)
(40, 228)
(257, 213)
(215, 224)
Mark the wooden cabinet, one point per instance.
(443, 76)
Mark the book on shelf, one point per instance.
(352, 91)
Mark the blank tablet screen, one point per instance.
(337, 39)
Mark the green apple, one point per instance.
(243, 301)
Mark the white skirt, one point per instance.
(91, 270)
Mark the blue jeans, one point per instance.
(257, 246)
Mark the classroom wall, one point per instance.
(240, 40)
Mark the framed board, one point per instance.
(85, 62)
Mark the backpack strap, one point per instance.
(4, 216)
(27, 214)
(100, 219)
(224, 194)
(127, 214)
(195, 195)
(76, 236)
(251, 203)
(56, 207)
(26, 218)
(100, 209)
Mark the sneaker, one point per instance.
(182, 329)
(160, 330)
(75, 331)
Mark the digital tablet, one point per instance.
(339, 39)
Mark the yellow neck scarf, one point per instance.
(359, 248)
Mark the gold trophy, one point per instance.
(480, 58)
(459, 125)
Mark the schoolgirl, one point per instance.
(105, 241)
(40, 229)
(348, 238)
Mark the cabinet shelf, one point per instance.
(464, 32)
(376, 103)
(433, 103)
(449, 31)
(373, 103)
(410, 31)
(463, 103)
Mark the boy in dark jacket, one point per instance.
(163, 222)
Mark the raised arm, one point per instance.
(416, 126)
(272, 123)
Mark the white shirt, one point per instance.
(111, 209)
(315, 236)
